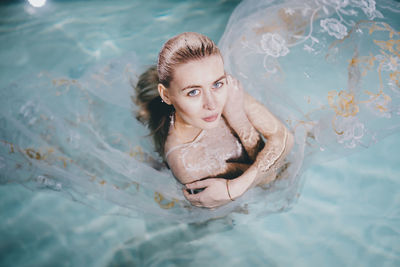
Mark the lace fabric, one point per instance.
(208, 154)
(329, 69)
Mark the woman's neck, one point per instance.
(184, 132)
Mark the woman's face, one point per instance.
(198, 92)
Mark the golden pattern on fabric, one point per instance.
(389, 45)
(64, 161)
(31, 153)
(162, 202)
(395, 77)
(343, 103)
(11, 146)
(293, 22)
(92, 177)
(382, 107)
(365, 62)
(385, 65)
(64, 83)
(266, 28)
(381, 26)
(138, 153)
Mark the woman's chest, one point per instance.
(211, 151)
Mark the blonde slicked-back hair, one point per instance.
(152, 112)
(182, 49)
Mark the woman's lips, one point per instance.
(211, 118)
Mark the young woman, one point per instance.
(205, 126)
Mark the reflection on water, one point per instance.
(37, 3)
(347, 214)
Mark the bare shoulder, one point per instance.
(250, 102)
(171, 142)
(175, 153)
(255, 109)
(261, 117)
(249, 98)
(174, 159)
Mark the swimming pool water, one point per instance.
(348, 212)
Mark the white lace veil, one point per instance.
(328, 69)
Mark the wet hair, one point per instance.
(152, 112)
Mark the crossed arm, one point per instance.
(278, 145)
(248, 122)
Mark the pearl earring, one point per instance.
(172, 118)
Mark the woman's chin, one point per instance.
(208, 125)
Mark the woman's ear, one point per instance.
(164, 94)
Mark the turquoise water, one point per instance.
(348, 212)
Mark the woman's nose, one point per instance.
(209, 101)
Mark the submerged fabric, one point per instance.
(208, 154)
(329, 69)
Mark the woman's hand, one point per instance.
(214, 195)
(234, 105)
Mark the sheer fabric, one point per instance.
(208, 154)
(329, 69)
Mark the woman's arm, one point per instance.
(279, 144)
(235, 114)
(195, 166)
(217, 193)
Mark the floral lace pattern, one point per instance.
(335, 17)
(352, 133)
(329, 69)
(338, 29)
(334, 28)
(209, 152)
(274, 45)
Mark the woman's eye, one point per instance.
(194, 92)
(218, 85)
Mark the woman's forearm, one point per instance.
(268, 160)
(235, 114)
(248, 135)
(263, 170)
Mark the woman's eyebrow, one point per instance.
(220, 78)
(190, 86)
(197, 86)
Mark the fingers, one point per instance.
(234, 83)
(239, 85)
(197, 200)
(229, 79)
(207, 198)
(194, 199)
(198, 184)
